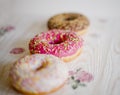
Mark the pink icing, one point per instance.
(60, 43)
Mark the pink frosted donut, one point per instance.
(63, 44)
(38, 74)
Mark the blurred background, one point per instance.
(96, 8)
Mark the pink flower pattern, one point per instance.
(84, 76)
(8, 28)
(71, 73)
(5, 29)
(17, 50)
(79, 78)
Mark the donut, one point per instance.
(38, 74)
(69, 21)
(64, 44)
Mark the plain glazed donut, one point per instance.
(63, 44)
(69, 21)
(38, 74)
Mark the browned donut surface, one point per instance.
(68, 21)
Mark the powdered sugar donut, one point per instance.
(38, 74)
(63, 44)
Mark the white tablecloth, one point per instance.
(101, 51)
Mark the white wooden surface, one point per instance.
(101, 54)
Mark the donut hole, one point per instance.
(70, 18)
(56, 42)
(44, 65)
(59, 40)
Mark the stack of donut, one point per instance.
(44, 71)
